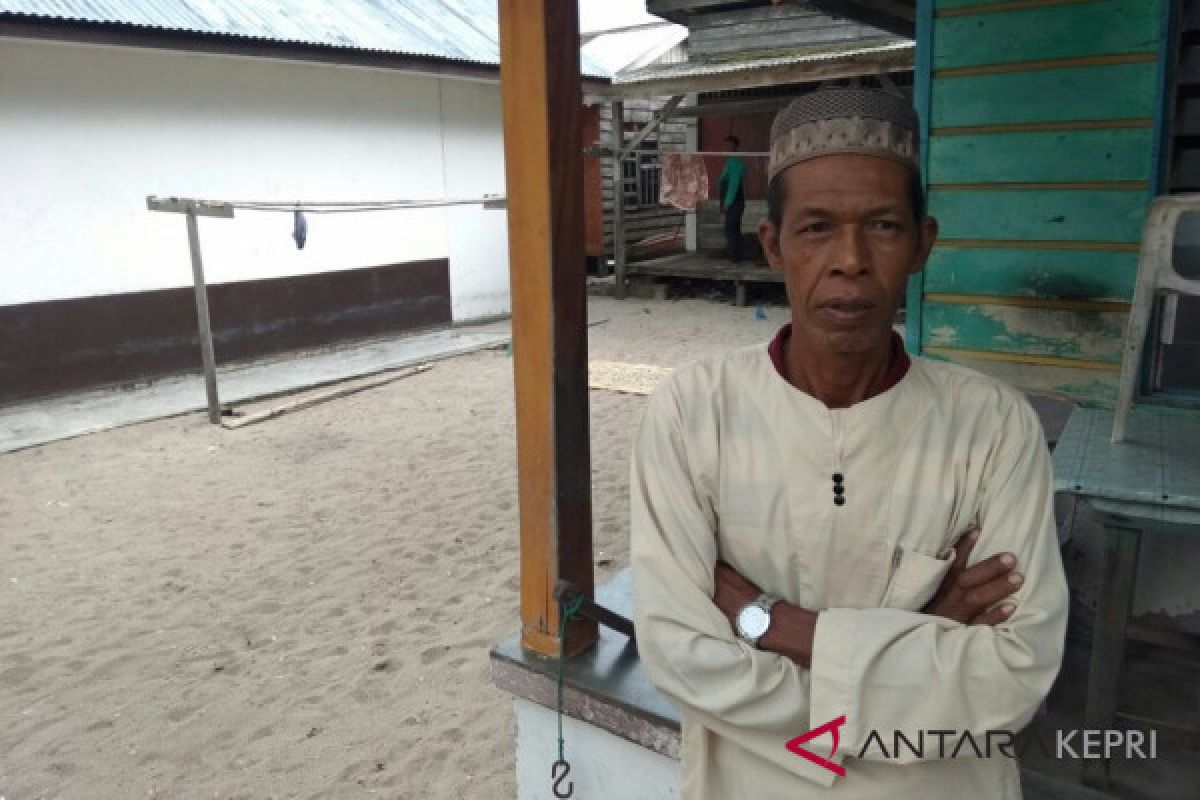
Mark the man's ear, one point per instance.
(768, 236)
(928, 232)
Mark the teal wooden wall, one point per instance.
(1039, 128)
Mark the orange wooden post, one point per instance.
(543, 150)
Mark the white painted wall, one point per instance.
(86, 132)
(603, 766)
(477, 239)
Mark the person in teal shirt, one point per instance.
(732, 189)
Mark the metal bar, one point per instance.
(618, 216)
(567, 592)
(543, 132)
(1108, 640)
(202, 320)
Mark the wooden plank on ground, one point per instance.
(617, 376)
(310, 400)
(1120, 91)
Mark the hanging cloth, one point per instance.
(684, 181)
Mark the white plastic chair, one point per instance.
(1157, 273)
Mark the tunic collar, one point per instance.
(898, 360)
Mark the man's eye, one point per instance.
(814, 227)
(890, 225)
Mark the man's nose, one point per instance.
(850, 258)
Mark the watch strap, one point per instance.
(765, 601)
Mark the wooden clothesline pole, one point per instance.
(543, 150)
(618, 216)
(192, 208)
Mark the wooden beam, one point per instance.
(678, 11)
(733, 109)
(655, 122)
(617, 127)
(543, 150)
(894, 16)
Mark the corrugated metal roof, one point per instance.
(756, 61)
(454, 30)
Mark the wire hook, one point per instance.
(557, 778)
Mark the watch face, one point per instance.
(753, 622)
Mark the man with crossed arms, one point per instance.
(827, 527)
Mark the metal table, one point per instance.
(1149, 483)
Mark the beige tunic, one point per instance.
(732, 462)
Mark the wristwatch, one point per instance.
(753, 621)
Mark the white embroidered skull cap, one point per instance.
(874, 122)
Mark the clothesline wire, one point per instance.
(342, 207)
(748, 154)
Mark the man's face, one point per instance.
(846, 246)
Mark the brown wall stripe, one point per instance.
(67, 345)
(1124, 247)
(1007, 5)
(1095, 186)
(1045, 64)
(1045, 127)
(1019, 358)
(1046, 303)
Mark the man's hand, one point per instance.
(792, 627)
(970, 594)
(733, 592)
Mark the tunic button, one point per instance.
(837, 477)
(839, 500)
(839, 489)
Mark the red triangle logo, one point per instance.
(829, 727)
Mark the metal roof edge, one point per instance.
(700, 69)
(128, 34)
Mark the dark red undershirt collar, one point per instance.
(898, 360)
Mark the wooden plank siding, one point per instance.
(639, 223)
(1093, 336)
(1040, 165)
(1103, 275)
(1039, 214)
(1113, 91)
(773, 28)
(1111, 27)
(1118, 154)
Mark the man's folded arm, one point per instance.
(893, 670)
(757, 700)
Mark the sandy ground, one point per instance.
(300, 608)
